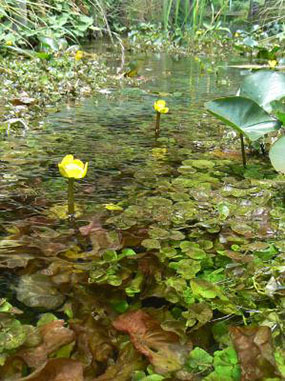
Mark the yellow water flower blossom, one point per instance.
(79, 55)
(9, 43)
(160, 106)
(72, 168)
(272, 63)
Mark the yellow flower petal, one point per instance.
(67, 159)
(113, 207)
(78, 55)
(272, 63)
(159, 106)
(79, 163)
(72, 168)
(164, 110)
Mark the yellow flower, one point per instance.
(272, 63)
(236, 35)
(159, 106)
(113, 207)
(72, 168)
(78, 55)
(9, 43)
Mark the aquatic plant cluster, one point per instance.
(180, 279)
(34, 85)
(165, 260)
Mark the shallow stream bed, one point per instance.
(173, 235)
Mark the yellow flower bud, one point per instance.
(272, 63)
(79, 55)
(160, 106)
(72, 168)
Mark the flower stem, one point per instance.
(71, 198)
(157, 125)
(242, 150)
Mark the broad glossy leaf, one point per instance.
(276, 155)
(264, 87)
(244, 115)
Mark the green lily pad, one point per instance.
(276, 155)
(243, 115)
(264, 87)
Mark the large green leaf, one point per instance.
(244, 115)
(276, 155)
(264, 87)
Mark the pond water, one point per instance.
(182, 202)
(114, 129)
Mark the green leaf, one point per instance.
(49, 42)
(110, 255)
(243, 115)
(12, 334)
(120, 306)
(207, 290)
(276, 155)
(199, 360)
(264, 87)
(226, 366)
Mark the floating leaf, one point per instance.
(199, 360)
(226, 366)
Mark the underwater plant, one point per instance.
(160, 108)
(72, 169)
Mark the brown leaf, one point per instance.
(57, 370)
(92, 341)
(161, 348)
(54, 335)
(128, 361)
(255, 352)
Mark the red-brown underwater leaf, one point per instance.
(54, 335)
(255, 352)
(57, 370)
(92, 341)
(128, 361)
(101, 239)
(161, 348)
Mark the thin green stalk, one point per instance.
(167, 5)
(71, 209)
(186, 12)
(242, 150)
(177, 7)
(157, 125)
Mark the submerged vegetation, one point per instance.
(169, 262)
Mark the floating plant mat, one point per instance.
(176, 268)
